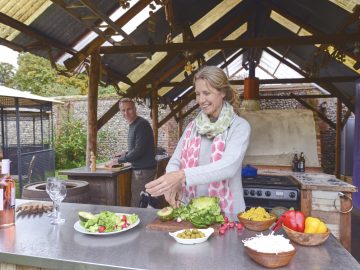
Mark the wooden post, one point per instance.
(180, 124)
(94, 79)
(338, 138)
(154, 114)
(345, 221)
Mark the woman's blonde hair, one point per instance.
(217, 78)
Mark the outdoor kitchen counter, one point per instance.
(34, 242)
(106, 186)
(110, 186)
(320, 198)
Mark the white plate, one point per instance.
(81, 229)
(207, 232)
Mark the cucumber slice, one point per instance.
(166, 213)
(85, 216)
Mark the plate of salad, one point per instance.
(105, 223)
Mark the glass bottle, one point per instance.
(7, 196)
(295, 163)
(301, 163)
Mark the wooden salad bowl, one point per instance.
(306, 239)
(270, 260)
(257, 226)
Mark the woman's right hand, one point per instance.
(174, 196)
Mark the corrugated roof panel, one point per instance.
(25, 11)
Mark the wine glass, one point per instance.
(48, 181)
(57, 192)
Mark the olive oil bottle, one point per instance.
(301, 163)
(7, 196)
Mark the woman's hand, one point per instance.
(166, 183)
(174, 196)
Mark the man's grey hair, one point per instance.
(126, 99)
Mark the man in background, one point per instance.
(141, 150)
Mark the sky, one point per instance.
(8, 55)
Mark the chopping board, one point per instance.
(115, 169)
(173, 226)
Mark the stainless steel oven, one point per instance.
(269, 191)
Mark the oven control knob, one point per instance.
(292, 194)
(252, 192)
(267, 193)
(259, 192)
(246, 192)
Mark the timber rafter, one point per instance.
(328, 86)
(308, 106)
(259, 42)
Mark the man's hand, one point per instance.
(165, 183)
(121, 154)
(111, 163)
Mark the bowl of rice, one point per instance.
(271, 251)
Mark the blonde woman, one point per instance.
(208, 158)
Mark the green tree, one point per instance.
(70, 144)
(7, 73)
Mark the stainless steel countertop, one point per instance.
(35, 242)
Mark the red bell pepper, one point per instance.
(294, 220)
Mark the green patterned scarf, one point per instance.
(205, 127)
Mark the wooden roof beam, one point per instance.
(106, 19)
(12, 45)
(279, 81)
(328, 86)
(322, 116)
(260, 42)
(75, 61)
(27, 30)
(309, 27)
(91, 26)
(182, 104)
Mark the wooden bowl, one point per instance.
(270, 260)
(306, 239)
(257, 226)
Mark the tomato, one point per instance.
(101, 229)
(123, 218)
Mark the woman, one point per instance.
(207, 160)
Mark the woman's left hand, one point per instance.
(165, 183)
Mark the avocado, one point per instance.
(85, 216)
(166, 213)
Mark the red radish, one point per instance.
(124, 226)
(222, 231)
(239, 226)
(123, 218)
(232, 224)
(101, 229)
(224, 227)
(226, 219)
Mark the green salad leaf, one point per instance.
(107, 221)
(201, 212)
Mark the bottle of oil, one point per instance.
(295, 163)
(301, 163)
(7, 196)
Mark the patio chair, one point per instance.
(27, 177)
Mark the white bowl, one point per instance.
(207, 232)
